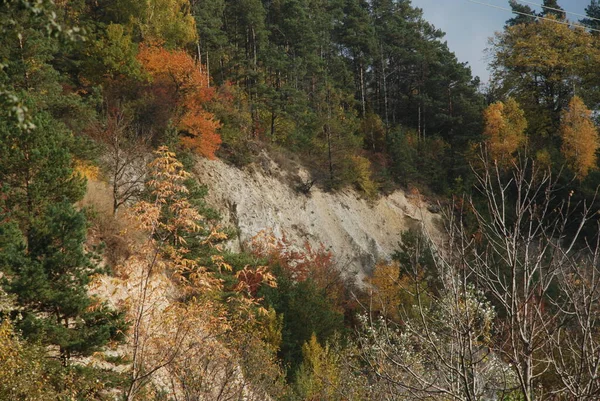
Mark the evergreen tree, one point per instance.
(551, 8)
(593, 13)
(44, 263)
(49, 274)
(523, 14)
(356, 35)
(36, 167)
(212, 40)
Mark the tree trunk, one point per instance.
(385, 99)
(362, 91)
(207, 68)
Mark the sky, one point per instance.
(468, 25)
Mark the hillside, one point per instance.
(296, 200)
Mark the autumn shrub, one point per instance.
(109, 232)
(29, 372)
(319, 375)
(22, 372)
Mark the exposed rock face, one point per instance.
(358, 232)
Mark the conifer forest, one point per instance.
(120, 280)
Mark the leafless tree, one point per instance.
(126, 158)
(442, 347)
(523, 246)
(574, 347)
(528, 256)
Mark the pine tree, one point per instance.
(48, 272)
(36, 167)
(209, 16)
(523, 14)
(593, 16)
(44, 263)
(551, 8)
(357, 37)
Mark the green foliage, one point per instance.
(542, 65)
(350, 86)
(592, 11)
(324, 78)
(27, 373)
(306, 311)
(551, 8)
(373, 130)
(49, 278)
(164, 21)
(36, 167)
(22, 368)
(523, 14)
(112, 56)
(415, 255)
(418, 161)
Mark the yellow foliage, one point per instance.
(387, 291)
(21, 373)
(362, 175)
(504, 130)
(87, 170)
(544, 47)
(373, 130)
(539, 63)
(579, 138)
(163, 326)
(319, 377)
(391, 290)
(167, 20)
(283, 126)
(272, 327)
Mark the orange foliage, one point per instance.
(302, 264)
(505, 126)
(174, 72)
(394, 293)
(250, 280)
(580, 137)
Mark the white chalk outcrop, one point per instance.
(358, 232)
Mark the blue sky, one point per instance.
(469, 25)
